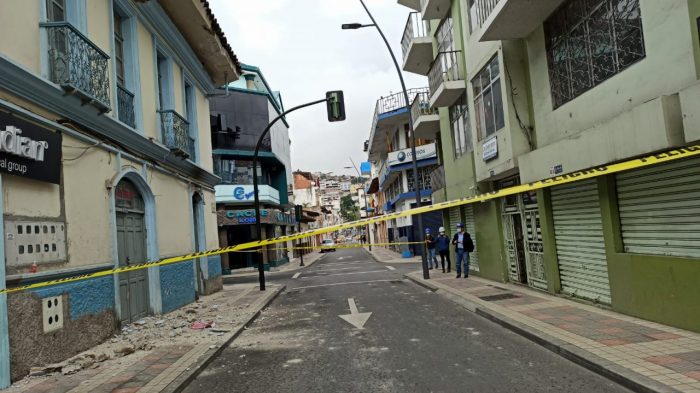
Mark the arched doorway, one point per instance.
(131, 249)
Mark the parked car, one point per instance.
(327, 245)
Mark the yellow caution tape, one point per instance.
(342, 245)
(654, 159)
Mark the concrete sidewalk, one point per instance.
(642, 355)
(178, 352)
(384, 255)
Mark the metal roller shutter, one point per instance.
(470, 227)
(578, 231)
(455, 218)
(660, 209)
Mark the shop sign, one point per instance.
(489, 149)
(405, 155)
(28, 150)
(247, 217)
(245, 194)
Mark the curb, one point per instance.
(184, 379)
(600, 366)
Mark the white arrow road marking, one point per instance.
(355, 318)
(296, 275)
(391, 268)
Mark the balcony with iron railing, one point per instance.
(125, 106)
(434, 9)
(417, 45)
(78, 65)
(498, 20)
(446, 80)
(426, 119)
(176, 134)
(389, 112)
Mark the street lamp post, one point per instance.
(364, 193)
(354, 26)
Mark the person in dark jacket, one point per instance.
(463, 246)
(442, 244)
(430, 245)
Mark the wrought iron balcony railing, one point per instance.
(421, 106)
(125, 105)
(176, 133)
(481, 9)
(78, 65)
(415, 27)
(437, 178)
(445, 68)
(396, 101)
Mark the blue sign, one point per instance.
(366, 168)
(240, 194)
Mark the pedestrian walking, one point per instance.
(463, 246)
(442, 244)
(430, 245)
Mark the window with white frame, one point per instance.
(588, 42)
(460, 126)
(488, 100)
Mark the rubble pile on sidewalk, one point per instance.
(202, 322)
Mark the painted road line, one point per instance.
(391, 268)
(339, 283)
(333, 270)
(355, 318)
(297, 275)
(345, 274)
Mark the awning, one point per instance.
(373, 186)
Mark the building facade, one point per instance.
(530, 91)
(110, 99)
(389, 151)
(239, 114)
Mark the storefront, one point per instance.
(237, 226)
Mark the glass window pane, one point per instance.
(489, 121)
(479, 119)
(498, 105)
(494, 68)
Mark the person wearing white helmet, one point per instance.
(430, 245)
(442, 243)
(463, 246)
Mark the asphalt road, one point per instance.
(414, 341)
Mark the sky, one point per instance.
(302, 52)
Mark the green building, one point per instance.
(523, 91)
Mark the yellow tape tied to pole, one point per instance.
(654, 159)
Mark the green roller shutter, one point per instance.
(470, 227)
(660, 209)
(578, 231)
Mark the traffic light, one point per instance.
(335, 105)
(298, 212)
